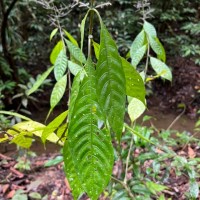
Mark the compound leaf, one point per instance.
(111, 82)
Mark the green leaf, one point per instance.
(33, 128)
(35, 195)
(154, 187)
(149, 29)
(55, 161)
(90, 147)
(111, 82)
(15, 114)
(76, 52)
(22, 141)
(56, 50)
(53, 33)
(58, 91)
(60, 65)
(194, 189)
(138, 55)
(82, 28)
(96, 49)
(158, 48)
(40, 80)
(74, 68)
(161, 68)
(135, 109)
(134, 83)
(71, 38)
(137, 43)
(52, 126)
(71, 173)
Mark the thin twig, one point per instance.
(125, 187)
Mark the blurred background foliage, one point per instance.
(28, 27)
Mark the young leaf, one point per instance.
(15, 114)
(157, 48)
(76, 52)
(134, 83)
(53, 33)
(111, 82)
(71, 38)
(137, 43)
(135, 109)
(161, 68)
(90, 147)
(138, 55)
(40, 80)
(58, 91)
(60, 65)
(71, 173)
(52, 126)
(56, 50)
(149, 29)
(82, 28)
(74, 68)
(96, 49)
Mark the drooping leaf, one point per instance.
(111, 82)
(138, 55)
(135, 109)
(158, 48)
(161, 68)
(40, 80)
(71, 172)
(58, 91)
(134, 83)
(71, 38)
(60, 65)
(76, 52)
(15, 114)
(137, 43)
(74, 68)
(52, 126)
(56, 50)
(32, 127)
(90, 147)
(53, 33)
(82, 28)
(149, 29)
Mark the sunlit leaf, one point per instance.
(71, 38)
(56, 50)
(53, 33)
(149, 29)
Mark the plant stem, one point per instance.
(125, 187)
(127, 159)
(147, 60)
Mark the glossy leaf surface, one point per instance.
(90, 147)
(111, 82)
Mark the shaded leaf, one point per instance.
(40, 80)
(54, 161)
(58, 91)
(60, 65)
(15, 114)
(111, 82)
(161, 68)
